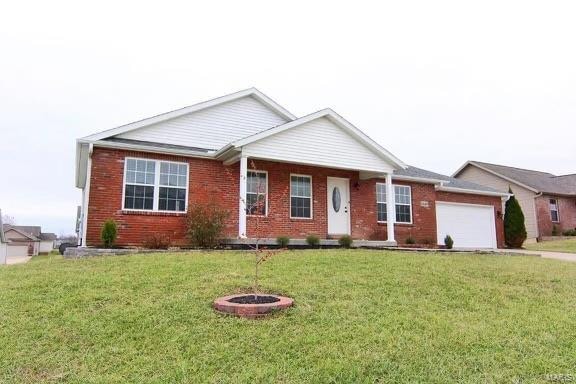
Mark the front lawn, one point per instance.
(568, 245)
(360, 316)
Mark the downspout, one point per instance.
(86, 194)
(539, 194)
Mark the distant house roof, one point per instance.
(20, 230)
(536, 181)
(48, 236)
(447, 181)
(32, 232)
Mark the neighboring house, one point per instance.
(547, 200)
(3, 242)
(27, 240)
(318, 174)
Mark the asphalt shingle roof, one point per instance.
(541, 181)
(449, 181)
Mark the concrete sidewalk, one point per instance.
(11, 260)
(544, 254)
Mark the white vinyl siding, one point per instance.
(524, 196)
(211, 128)
(318, 142)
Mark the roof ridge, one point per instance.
(518, 168)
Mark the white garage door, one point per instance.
(470, 226)
(16, 250)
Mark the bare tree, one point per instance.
(256, 207)
(8, 220)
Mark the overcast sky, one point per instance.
(436, 83)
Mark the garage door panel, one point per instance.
(16, 250)
(470, 226)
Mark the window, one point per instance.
(301, 196)
(403, 196)
(256, 191)
(173, 182)
(139, 190)
(403, 204)
(381, 201)
(554, 210)
(152, 185)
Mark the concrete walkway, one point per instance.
(544, 254)
(11, 260)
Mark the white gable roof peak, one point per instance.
(250, 92)
(336, 119)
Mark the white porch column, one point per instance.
(242, 199)
(390, 207)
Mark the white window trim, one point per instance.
(265, 193)
(557, 210)
(156, 186)
(385, 202)
(303, 197)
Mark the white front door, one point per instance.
(338, 200)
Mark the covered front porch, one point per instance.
(318, 177)
(296, 200)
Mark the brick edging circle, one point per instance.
(223, 305)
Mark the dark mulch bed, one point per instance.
(254, 299)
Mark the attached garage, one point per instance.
(469, 225)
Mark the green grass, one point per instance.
(568, 245)
(360, 316)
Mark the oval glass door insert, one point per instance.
(336, 199)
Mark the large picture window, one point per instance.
(403, 197)
(256, 193)
(153, 185)
(301, 196)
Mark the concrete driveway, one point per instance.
(11, 260)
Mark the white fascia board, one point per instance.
(146, 148)
(495, 174)
(335, 118)
(190, 109)
(419, 179)
(472, 191)
(281, 159)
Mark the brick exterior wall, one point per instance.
(210, 180)
(566, 211)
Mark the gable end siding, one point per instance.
(211, 128)
(523, 195)
(319, 142)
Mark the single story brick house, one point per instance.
(547, 200)
(316, 174)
